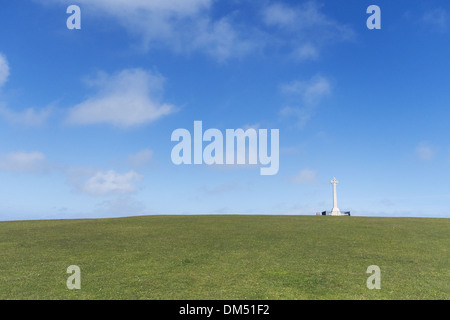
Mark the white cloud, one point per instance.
(303, 18)
(23, 161)
(305, 52)
(186, 26)
(304, 97)
(143, 7)
(278, 14)
(110, 182)
(305, 176)
(159, 11)
(183, 26)
(425, 152)
(301, 115)
(311, 91)
(140, 158)
(4, 69)
(220, 39)
(437, 19)
(127, 98)
(304, 28)
(28, 117)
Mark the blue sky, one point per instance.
(87, 115)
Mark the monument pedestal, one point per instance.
(335, 212)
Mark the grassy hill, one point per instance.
(226, 257)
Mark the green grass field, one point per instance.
(226, 257)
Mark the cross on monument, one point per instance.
(335, 211)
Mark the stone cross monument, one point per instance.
(335, 211)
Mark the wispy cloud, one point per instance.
(193, 26)
(304, 52)
(183, 26)
(140, 158)
(21, 161)
(425, 152)
(310, 91)
(124, 99)
(304, 97)
(305, 176)
(111, 182)
(4, 69)
(221, 39)
(437, 19)
(27, 117)
(304, 28)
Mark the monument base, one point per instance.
(335, 212)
